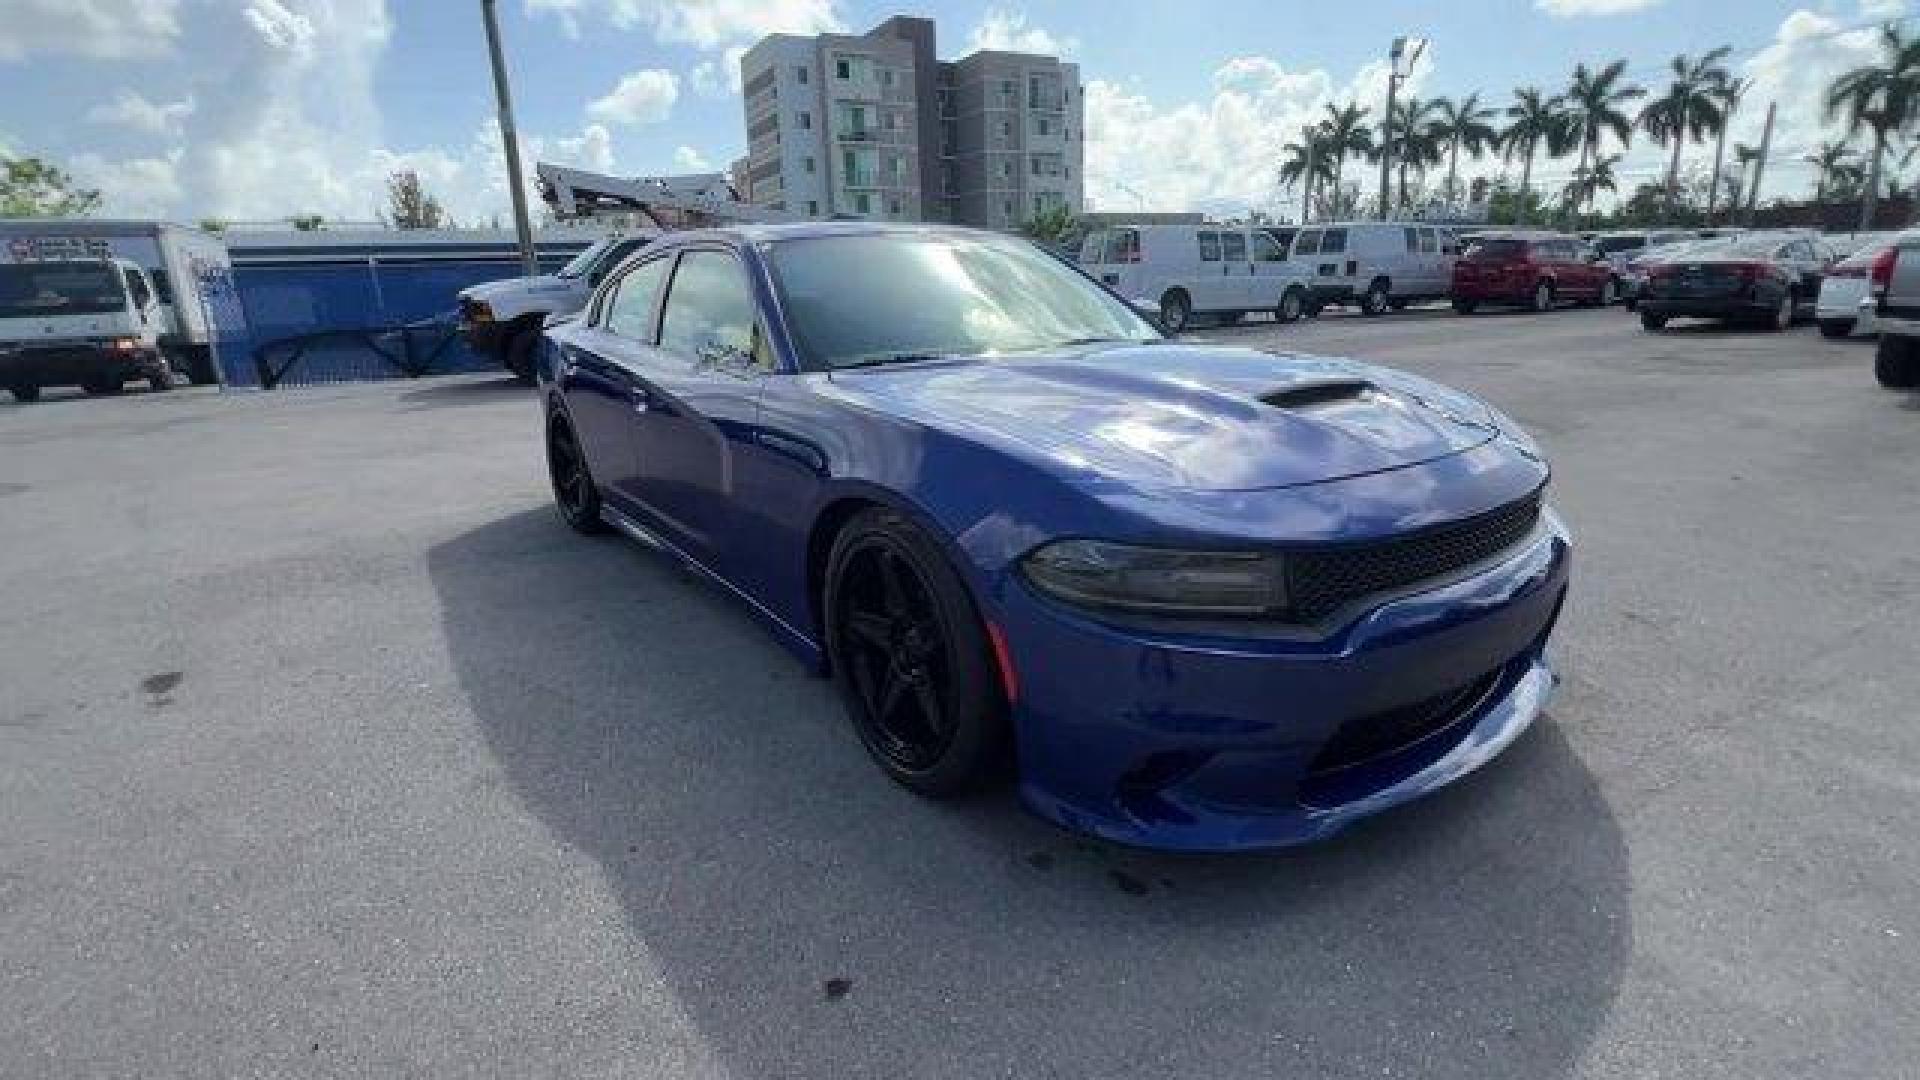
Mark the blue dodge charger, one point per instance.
(1194, 597)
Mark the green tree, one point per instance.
(1054, 226)
(410, 206)
(1415, 144)
(1534, 122)
(1347, 135)
(1463, 125)
(1307, 163)
(1589, 179)
(1689, 110)
(1595, 104)
(1729, 95)
(1882, 97)
(1826, 159)
(30, 187)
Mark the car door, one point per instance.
(1272, 272)
(1238, 284)
(1805, 265)
(1209, 285)
(699, 398)
(597, 373)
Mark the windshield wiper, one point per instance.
(894, 358)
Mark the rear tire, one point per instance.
(161, 381)
(1896, 363)
(103, 386)
(1836, 328)
(1543, 297)
(1375, 300)
(1465, 307)
(1608, 293)
(905, 641)
(1652, 323)
(1292, 305)
(1782, 318)
(24, 393)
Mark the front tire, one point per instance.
(575, 494)
(103, 385)
(160, 381)
(1609, 292)
(1782, 318)
(1292, 305)
(1652, 323)
(519, 358)
(1543, 297)
(1836, 328)
(1465, 307)
(913, 664)
(24, 393)
(1896, 363)
(1175, 310)
(1375, 300)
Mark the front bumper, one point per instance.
(72, 363)
(1743, 305)
(1209, 745)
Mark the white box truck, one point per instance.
(93, 303)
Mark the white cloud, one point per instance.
(642, 97)
(1568, 9)
(718, 78)
(706, 24)
(96, 28)
(687, 159)
(1008, 31)
(131, 110)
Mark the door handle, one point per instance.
(641, 398)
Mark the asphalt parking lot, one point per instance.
(326, 749)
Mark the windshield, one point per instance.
(1753, 247)
(580, 263)
(30, 289)
(1607, 245)
(856, 300)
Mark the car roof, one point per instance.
(798, 230)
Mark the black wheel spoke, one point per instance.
(893, 687)
(891, 588)
(930, 710)
(876, 630)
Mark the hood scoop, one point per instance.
(1316, 393)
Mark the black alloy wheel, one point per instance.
(912, 662)
(1175, 309)
(573, 489)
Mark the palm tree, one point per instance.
(1307, 163)
(1883, 97)
(1594, 101)
(1729, 93)
(1589, 179)
(1463, 124)
(1414, 140)
(1534, 120)
(1346, 134)
(1690, 109)
(1745, 157)
(1826, 159)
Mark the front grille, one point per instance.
(1390, 731)
(1322, 581)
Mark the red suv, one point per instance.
(1530, 269)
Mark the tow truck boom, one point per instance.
(692, 198)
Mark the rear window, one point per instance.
(1307, 243)
(1607, 245)
(1209, 247)
(1093, 248)
(1333, 242)
(1110, 246)
(1496, 250)
(1233, 246)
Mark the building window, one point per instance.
(1006, 170)
(886, 77)
(813, 208)
(893, 207)
(893, 121)
(861, 203)
(801, 74)
(1042, 123)
(1006, 208)
(1006, 89)
(806, 121)
(843, 69)
(807, 164)
(1006, 129)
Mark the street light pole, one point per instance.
(1394, 53)
(516, 181)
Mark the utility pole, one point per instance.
(516, 181)
(1313, 149)
(1760, 165)
(1394, 53)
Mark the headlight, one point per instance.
(479, 311)
(123, 344)
(1159, 581)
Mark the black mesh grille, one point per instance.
(1377, 735)
(1322, 581)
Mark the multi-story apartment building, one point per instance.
(874, 126)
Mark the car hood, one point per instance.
(522, 286)
(1178, 416)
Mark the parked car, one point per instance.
(1223, 271)
(91, 323)
(1217, 598)
(1622, 247)
(1634, 280)
(1531, 269)
(1376, 266)
(1845, 306)
(1893, 281)
(1767, 279)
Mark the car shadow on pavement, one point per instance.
(811, 919)
(467, 390)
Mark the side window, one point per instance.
(629, 311)
(1413, 240)
(137, 286)
(1428, 244)
(1334, 242)
(162, 288)
(1265, 250)
(611, 259)
(709, 313)
(1800, 249)
(1307, 243)
(1124, 247)
(1233, 246)
(1449, 243)
(1209, 247)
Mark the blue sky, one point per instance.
(258, 109)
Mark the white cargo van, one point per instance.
(1376, 265)
(1181, 271)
